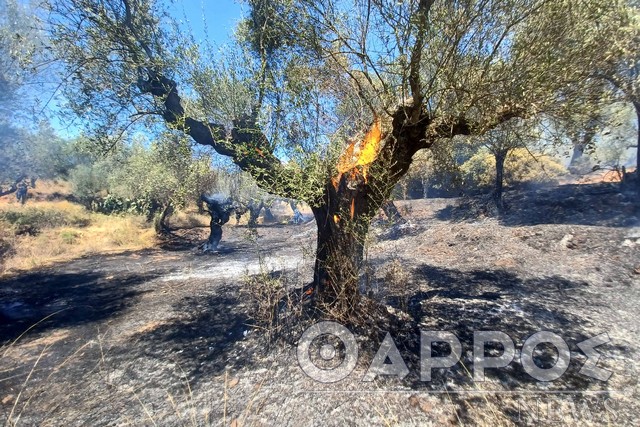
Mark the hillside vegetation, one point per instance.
(50, 229)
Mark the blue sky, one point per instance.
(219, 16)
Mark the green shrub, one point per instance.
(69, 236)
(111, 204)
(88, 182)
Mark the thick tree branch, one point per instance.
(422, 15)
(246, 144)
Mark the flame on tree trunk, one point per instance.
(366, 174)
(364, 177)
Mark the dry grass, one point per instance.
(190, 218)
(73, 233)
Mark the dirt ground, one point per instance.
(165, 337)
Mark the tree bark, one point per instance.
(161, 225)
(340, 248)
(392, 212)
(254, 213)
(500, 157)
(220, 212)
(578, 151)
(636, 106)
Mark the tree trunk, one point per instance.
(636, 105)
(269, 217)
(215, 236)
(425, 188)
(340, 249)
(392, 212)
(578, 151)
(352, 197)
(161, 225)
(500, 159)
(254, 213)
(220, 212)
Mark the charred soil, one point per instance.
(167, 336)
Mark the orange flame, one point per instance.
(336, 218)
(361, 154)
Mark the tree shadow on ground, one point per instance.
(603, 204)
(204, 339)
(49, 300)
(462, 302)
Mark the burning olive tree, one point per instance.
(323, 101)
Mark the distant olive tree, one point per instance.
(167, 172)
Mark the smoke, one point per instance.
(217, 198)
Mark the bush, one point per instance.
(88, 182)
(520, 167)
(111, 204)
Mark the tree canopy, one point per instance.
(327, 101)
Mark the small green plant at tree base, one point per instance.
(69, 236)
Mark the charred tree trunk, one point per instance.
(340, 248)
(582, 140)
(500, 156)
(161, 225)
(636, 106)
(220, 212)
(269, 217)
(352, 198)
(578, 151)
(392, 212)
(254, 213)
(215, 236)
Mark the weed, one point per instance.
(69, 237)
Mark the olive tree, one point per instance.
(165, 172)
(325, 101)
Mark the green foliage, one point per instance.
(111, 204)
(167, 171)
(479, 171)
(436, 172)
(89, 181)
(69, 237)
(309, 73)
(21, 47)
(36, 154)
(143, 178)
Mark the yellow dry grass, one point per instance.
(102, 234)
(189, 218)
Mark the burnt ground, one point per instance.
(166, 336)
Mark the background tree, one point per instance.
(29, 147)
(167, 174)
(501, 142)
